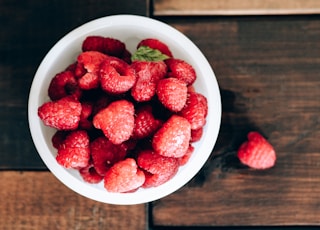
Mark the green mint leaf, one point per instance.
(145, 53)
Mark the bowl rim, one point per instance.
(142, 195)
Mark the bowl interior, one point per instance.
(130, 30)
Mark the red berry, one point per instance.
(148, 74)
(172, 93)
(157, 164)
(195, 110)
(93, 43)
(63, 84)
(89, 74)
(63, 114)
(156, 44)
(106, 45)
(124, 176)
(90, 175)
(182, 70)
(116, 76)
(58, 138)
(114, 47)
(86, 111)
(145, 124)
(105, 154)
(196, 134)
(116, 121)
(74, 153)
(172, 139)
(158, 169)
(257, 152)
(185, 158)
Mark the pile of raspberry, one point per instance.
(129, 120)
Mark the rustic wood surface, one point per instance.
(235, 7)
(268, 71)
(37, 200)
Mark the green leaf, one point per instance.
(145, 53)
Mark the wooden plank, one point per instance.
(235, 7)
(37, 200)
(268, 72)
(31, 29)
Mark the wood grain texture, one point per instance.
(234, 7)
(268, 72)
(37, 200)
(29, 30)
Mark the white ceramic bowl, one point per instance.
(129, 29)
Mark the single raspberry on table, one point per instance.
(148, 73)
(124, 176)
(105, 154)
(182, 70)
(145, 124)
(195, 110)
(172, 139)
(62, 114)
(116, 121)
(74, 152)
(257, 152)
(172, 93)
(156, 44)
(116, 76)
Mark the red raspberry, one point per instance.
(145, 124)
(116, 76)
(157, 164)
(156, 44)
(126, 56)
(90, 175)
(74, 153)
(105, 154)
(196, 134)
(58, 138)
(158, 169)
(148, 74)
(85, 122)
(172, 93)
(182, 70)
(124, 176)
(116, 121)
(172, 139)
(93, 43)
(63, 84)
(195, 110)
(63, 114)
(185, 158)
(106, 45)
(89, 81)
(257, 152)
(89, 74)
(114, 47)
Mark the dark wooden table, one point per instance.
(268, 69)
